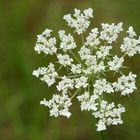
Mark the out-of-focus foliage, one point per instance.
(21, 116)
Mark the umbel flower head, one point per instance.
(87, 69)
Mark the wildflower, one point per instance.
(59, 105)
(48, 74)
(130, 46)
(76, 69)
(116, 63)
(65, 84)
(80, 21)
(81, 82)
(125, 84)
(102, 86)
(64, 60)
(67, 41)
(108, 114)
(103, 51)
(93, 39)
(82, 70)
(88, 102)
(131, 32)
(45, 43)
(84, 53)
(109, 32)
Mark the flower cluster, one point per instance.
(80, 21)
(109, 32)
(45, 43)
(48, 74)
(88, 71)
(108, 114)
(58, 105)
(131, 45)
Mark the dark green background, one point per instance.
(21, 116)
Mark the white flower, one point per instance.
(103, 51)
(116, 63)
(64, 60)
(48, 74)
(84, 71)
(84, 53)
(91, 60)
(110, 32)
(46, 44)
(76, 69)
(80, 21)
(59, 105)
(81, 82)
(101, 125)
(108, 114)
(131, 32)
(88, 13)
(88, 102)
(93, 66)
(93, 40)
(65, 84)
(67, 41)
(89, 70)
(47, 32)
(102, 86)
(100, 67)
(130, 46)
(126, 84)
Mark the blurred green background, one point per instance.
(21, 116)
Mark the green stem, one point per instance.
(75, 93)
(102, 135)
(75, 57)
(82, 37)
(70, 76)
(89, 85)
